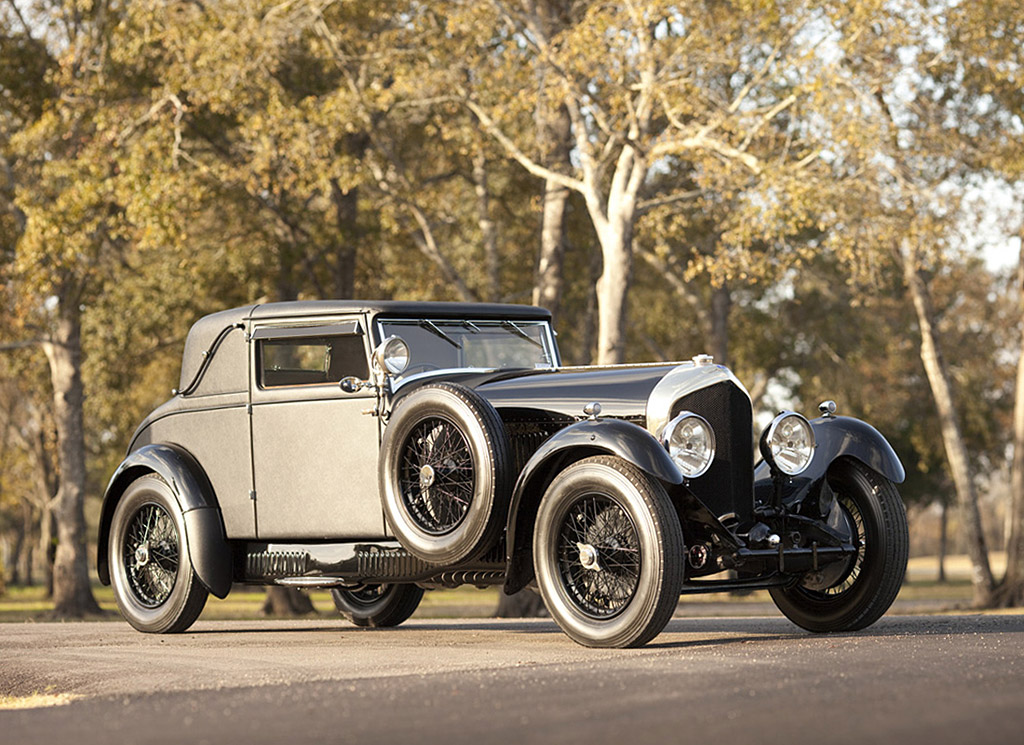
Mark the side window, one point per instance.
(310, 360)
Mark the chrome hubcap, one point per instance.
(142, 555)
(588, 557)
(426, 477)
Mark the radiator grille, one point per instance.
(728, 486)
(526, 435)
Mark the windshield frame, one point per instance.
(548, 339)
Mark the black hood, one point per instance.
(621, 391)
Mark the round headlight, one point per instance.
(788, 443)
(392, 356)
(690, 442)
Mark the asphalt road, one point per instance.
(909, 679)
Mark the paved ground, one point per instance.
(910, 679)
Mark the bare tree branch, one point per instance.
(520, 157)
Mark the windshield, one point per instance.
(447, 345)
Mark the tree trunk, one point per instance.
(25, 552)
(1011, 589)
(548, 283)
(287, 602)
(555, 132)
(588, 340)
(15, 557)
(612, 289)
(72, 594)
(488, 229)
(956, 450)
(721, 304)
(523, 604)
(47, 547)
(943, 539)
(346, 211)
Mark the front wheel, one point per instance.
(854, 595)
(156, 589)
(378, 605)
(608, 553)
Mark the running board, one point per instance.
(332, 564)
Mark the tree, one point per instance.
(1011, 590)
(28, 473)
(65, 232)
(984, 62)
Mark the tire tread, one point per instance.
(668, 537)
(396, 610)
(495, 443)
(893, 561)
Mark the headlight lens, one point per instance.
(788, 443)
(392, 356)
(690, 442)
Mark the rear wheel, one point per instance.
(854, 594)
(608, 553)
(378, 605)
(155, 586)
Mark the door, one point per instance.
(314, 447)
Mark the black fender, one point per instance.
(204, 528)
(577, 441)
(835, 437)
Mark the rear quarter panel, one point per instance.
(217, 436)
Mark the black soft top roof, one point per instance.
(397, 308)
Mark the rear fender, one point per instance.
(576, 442)
(204, 529)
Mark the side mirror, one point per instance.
(352, 384)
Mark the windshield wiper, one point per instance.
(520, 333)
(432, 328)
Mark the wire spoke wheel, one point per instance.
(151, 555)
(445, 473)
(599, 556)
(846, 577)
(608, 553)
(367, 595)
(853, 594)
(377, 605)
(437, 475)
(155, 585)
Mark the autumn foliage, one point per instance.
(804, 188)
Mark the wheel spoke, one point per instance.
(604, 588)
(151, 555)
(859, 538)
(437, 475)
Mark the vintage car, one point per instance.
(384, 448)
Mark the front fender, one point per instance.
(581, 440)
(836, 437)
(204, 529)
(839, 436)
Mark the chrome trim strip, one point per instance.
(682, 381)
(309, 581)
(397, 383)
(625, 365)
